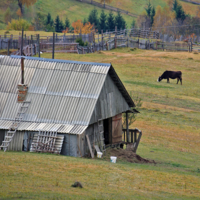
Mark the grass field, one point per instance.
(169, 119)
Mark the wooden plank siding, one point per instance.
(117, 129)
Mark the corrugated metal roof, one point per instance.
(63, 93)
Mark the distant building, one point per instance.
(71, 98)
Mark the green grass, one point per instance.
(170, 122)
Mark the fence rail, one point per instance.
(98, 42)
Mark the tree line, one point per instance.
(171, 19)
(103, 22)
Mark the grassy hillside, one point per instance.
(77, 10)
(170, 122)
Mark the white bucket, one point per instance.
(113, 159)
(99, 154)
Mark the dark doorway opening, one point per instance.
(107, 130)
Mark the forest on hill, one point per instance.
(73, 16)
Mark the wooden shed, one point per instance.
(70, 105)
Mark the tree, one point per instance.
(26, 3)
(7, 15)
(39, 22)
(148, 9)
(102, 22)
(119, 21)
(133, 24)
(164, 18)
(18, 25)
(153, 12)
(180, 13)
(67, 23)
(84, 21)
(59, 26)
(49, 20)
(198, 12)
(111, 22)
(79, 27)
(93, 18)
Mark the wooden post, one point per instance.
(22, 69)
(135, 135)
(8, 50)
(25, 39)
(127, 128)
(191, 47)
(53, 45)
(102, 39)
(39, 45)
(115, 40)
(22, 42)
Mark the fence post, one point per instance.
(102, 38)
(115, 40)
(39, 45)
(191, 47)
(25, 39)
(138, 43)
(53, 45)
(127, 128)
(8, 47)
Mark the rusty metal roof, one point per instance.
(63, 93)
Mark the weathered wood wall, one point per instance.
(110, 102)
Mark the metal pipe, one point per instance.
(22, 70)
(22, 42)
(53, 45)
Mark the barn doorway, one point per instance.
(107, 124)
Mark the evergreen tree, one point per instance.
(149, 9)
(111, 22)
(93, 18)
(119, 21)
(57, 24)
(180, 13)
(67, 23)
(61, 26)
(102, 22)
(175, 4)
(84, 21)
(153, 12)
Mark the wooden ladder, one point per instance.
(13, 128)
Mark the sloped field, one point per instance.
(169, 119)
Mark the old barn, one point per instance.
(69, 106)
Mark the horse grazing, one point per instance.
(171, 74)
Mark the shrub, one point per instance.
(18, 25)
(81, 42)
